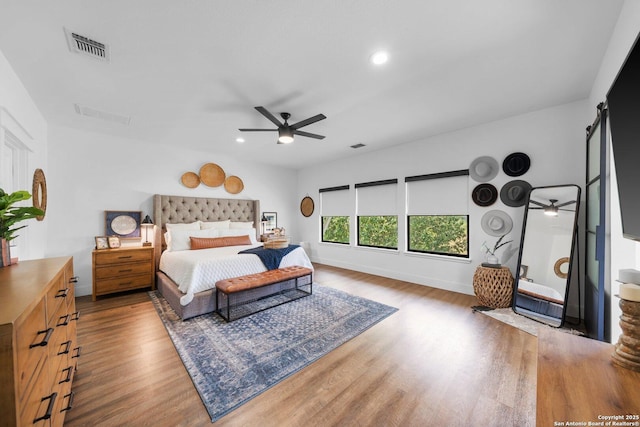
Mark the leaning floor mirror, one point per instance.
(546, 253)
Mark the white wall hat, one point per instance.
(484, 169)
(496, 223)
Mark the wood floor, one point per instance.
(433, 363)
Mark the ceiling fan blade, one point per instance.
(269, 116)
(536, 208)
(565, 203)
(307, 134)
(538, 203)
(258, 130)
(308, 121)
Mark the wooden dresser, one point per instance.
(123, 269)
(38, 342)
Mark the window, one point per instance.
(377, 214)
(336, 205)
(437, 213)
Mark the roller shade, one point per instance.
(377, 198)
(438, 194)
(336, 201)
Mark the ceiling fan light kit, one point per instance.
(286, 132)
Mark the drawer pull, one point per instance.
(69, 373)
(70, 404)
(62, 293)
(75, 316)
(73, 279)
(66, 350)
(63, 320)
(47, 415)
(125, 283)
(125, 257)
(77, 351)
(45, 341)
(125, 271)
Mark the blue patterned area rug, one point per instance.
(231, 363)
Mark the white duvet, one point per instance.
(199, 270)
(542, 290)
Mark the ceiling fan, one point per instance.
(285, 130)
(552, 209)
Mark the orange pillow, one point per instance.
(218, 242)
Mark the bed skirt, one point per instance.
(203, 302)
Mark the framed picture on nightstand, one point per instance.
(114, 242)
(102, 242)
(123, 224)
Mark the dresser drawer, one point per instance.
(38, 403)
(113, 271)
(32, 339)
(122, 256)
(122, 284)
(57, 296)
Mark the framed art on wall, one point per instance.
(272, 221)
(123, 224)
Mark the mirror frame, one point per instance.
(572, 253)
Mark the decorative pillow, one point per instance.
(218, 242)
(241, 224)
(251, 232)
(189, 226)
(215, 224)
(179, 239)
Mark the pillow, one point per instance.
(179, 240)
(180, 226)
(218, 242)
(215, 224)
(251, 232)
(241, 224)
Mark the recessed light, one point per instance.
(239, 140)
(379, 58)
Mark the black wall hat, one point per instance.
(516, 164)
(514, 193)
(484, 195)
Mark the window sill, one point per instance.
(439, 257)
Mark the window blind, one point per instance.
(336, 201)
(377, 198)
(438, 194)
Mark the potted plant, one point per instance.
(491, 253)
(10, 215)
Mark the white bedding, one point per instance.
(541, 290)
(199, 270)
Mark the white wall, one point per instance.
(90, 173)
(623, 253)
(20, 116)
(553, 138)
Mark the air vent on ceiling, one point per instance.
(85, 46)
(102, 115)
(357, 145)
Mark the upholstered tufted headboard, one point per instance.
(179, 209)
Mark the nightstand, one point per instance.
(122, 269)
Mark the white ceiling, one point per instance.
(191, 72)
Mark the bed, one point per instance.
(540, 299)
(186, 278)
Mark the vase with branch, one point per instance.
(492, 258)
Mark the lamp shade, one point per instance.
(147, 220)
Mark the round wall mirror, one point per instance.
(306, 206)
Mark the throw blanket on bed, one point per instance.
(270, 257)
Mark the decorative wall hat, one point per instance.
(496, 223)
(514, 193)
(484, 195)
(516, 164)
(484, 169)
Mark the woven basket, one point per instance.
(493, 286)
(276, 243)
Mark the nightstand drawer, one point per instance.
(121, 256)
(119, 270)
(122, 284)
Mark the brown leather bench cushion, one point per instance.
(250, 281)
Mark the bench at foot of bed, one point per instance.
(241, 296)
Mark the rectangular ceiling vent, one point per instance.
(97, 114)
(85, 46)
(357, 146)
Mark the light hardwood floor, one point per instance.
(435, 362)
